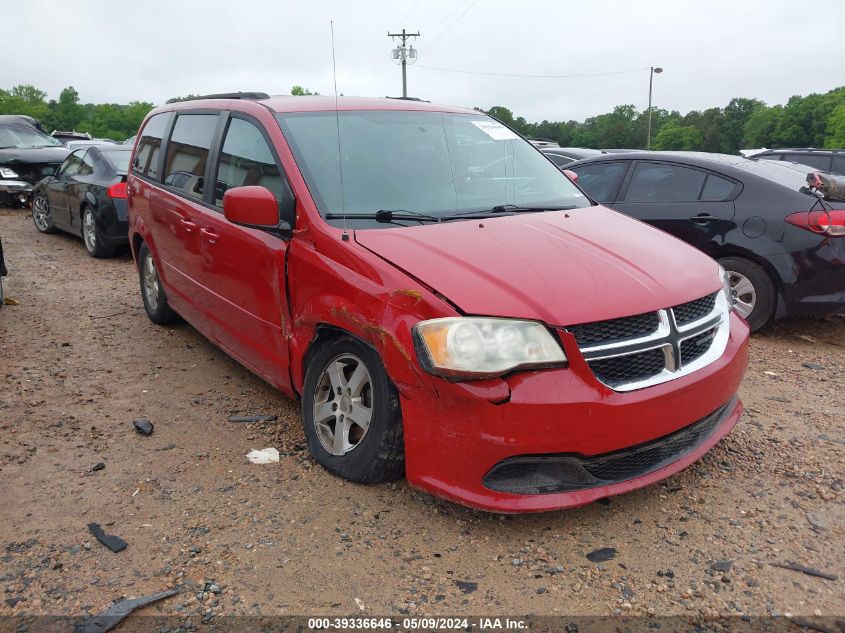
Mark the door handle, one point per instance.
(704, 218)
(187, 225)
(209, 235)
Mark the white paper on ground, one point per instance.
(264, 456)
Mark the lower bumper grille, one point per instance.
(545, 474)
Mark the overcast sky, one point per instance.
(122, 50)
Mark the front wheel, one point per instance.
(41, 214)
(351, 413)
(152, 292)
(753, 291)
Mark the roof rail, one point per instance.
(410, 99)
(230, 95)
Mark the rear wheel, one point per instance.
(152, 292)
(351, 413)
(41, 214)
(753, 291)
(92, 237)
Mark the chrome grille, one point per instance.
(649, 349)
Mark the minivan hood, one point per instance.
(559, 267)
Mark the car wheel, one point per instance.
(152, 292)
(41, 214)
(752, 289)
(92, 237)
(351, 413)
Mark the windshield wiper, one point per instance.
(506, 208)
(386, 216)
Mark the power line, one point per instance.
(410, 11)
(445, 18)
(472, 72)
(449, 28)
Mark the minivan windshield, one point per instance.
(432, 163)
(24, 137)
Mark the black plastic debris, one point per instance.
(806, 570)
(143, 426)
(114, 543)
(252, 418)
(602, 555)
(98, 466)
(466, 586)
(109, 618)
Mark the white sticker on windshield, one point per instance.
(494, 130)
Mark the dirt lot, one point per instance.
(79, 361)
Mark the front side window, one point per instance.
(149, 146)
(656, 182)
(187, 153)
(601, 180)
(245, 160)
(434, 163)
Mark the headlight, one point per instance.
(472, 347)
(5, 172)
(726, 287)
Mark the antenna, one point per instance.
(345, 236)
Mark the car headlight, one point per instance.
(471, 347)
(726, 287)
(5, 172)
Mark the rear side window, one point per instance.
(149, 146)
(653, 182)
(246, 160)
(716, 189)
(72, 163)
(838, 164)
(87, 166)
(559, 160)
(187, 153)
(600, 180)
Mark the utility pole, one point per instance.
(402, 54)
(650, 82)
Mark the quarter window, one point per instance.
(716, 189)
(246, 160)
(187, 153)
(654, 182)
(149, 146)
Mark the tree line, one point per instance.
(814, 120)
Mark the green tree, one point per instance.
(678, 137)
(299, 91)
(835, 137)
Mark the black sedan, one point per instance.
(759, 219)
(87, 197)
(562, 156)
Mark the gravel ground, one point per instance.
(80, 361)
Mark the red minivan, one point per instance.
(443, 301)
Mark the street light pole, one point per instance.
(650, 83)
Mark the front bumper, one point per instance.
(15, 191)
(453, 441)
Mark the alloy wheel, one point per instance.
(151, 282)
(89, 231)
(343, 404)
(743, 292)
(40, 211)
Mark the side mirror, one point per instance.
(570, 174)
(48, 171)
(253, 207)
